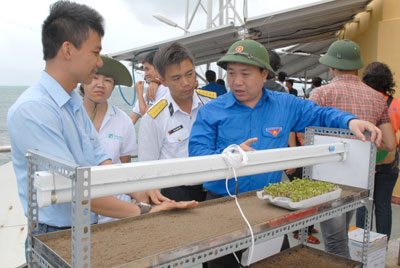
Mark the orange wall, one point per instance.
(377, 32)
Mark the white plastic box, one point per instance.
(376, 248)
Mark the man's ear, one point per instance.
(66, 50)
(265, 75)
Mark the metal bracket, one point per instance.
(33, 210)
(81, 218)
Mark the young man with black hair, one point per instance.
(289, 86)
(49, 116)
(281, 80)
(165, 128)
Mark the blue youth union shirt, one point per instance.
(226, 121)
(45, 117)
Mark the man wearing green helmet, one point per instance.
(257, 119)
(348, 93)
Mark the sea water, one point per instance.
(9, 95)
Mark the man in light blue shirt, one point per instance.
(47, 118)
(50, 117)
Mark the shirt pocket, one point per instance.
(178, 136)
(273, 137)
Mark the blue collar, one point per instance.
(231, 99)
(58, 93)
(54, 89)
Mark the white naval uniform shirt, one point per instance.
(117, 138)
(161, 91)
(167, 135)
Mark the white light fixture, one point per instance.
(166, 20)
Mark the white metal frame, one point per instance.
(167, 173)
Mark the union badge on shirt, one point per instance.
(273, 130)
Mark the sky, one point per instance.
(128, 24)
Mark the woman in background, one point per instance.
(378, 76)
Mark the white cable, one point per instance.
(233, 163)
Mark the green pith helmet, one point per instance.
(343, 55)
(246, 52)
(116, 70)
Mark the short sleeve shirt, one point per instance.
(117, 134)
(46, 118)
(166, 136)
(161, 91)
(348, 93)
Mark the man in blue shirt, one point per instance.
(212, 85)
(258, 119)
(49, 116)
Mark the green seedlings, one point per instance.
(299, 189)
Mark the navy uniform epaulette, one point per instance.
(207, 93)
(156, 109)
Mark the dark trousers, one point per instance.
(185, 193)
(385, 180)
(230, 260)
(43, 229)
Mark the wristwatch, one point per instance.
(144, 207)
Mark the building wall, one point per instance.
(377, 31)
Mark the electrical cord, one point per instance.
(233, 163)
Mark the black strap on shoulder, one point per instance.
(389, 101)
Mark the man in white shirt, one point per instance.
(165, 128)
(154, 91)
(281, 80)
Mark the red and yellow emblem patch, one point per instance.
(274, 130)
(239, 49)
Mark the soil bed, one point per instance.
(131, 239)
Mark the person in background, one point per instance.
(289, 86)
(378, 76)
(154, 91)
(275, 62)
(165, 128)
(116, 131)
(315, 83)
(257, 119)
(221, 82)
(212, 85)
(282, 79)
(348, 93)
